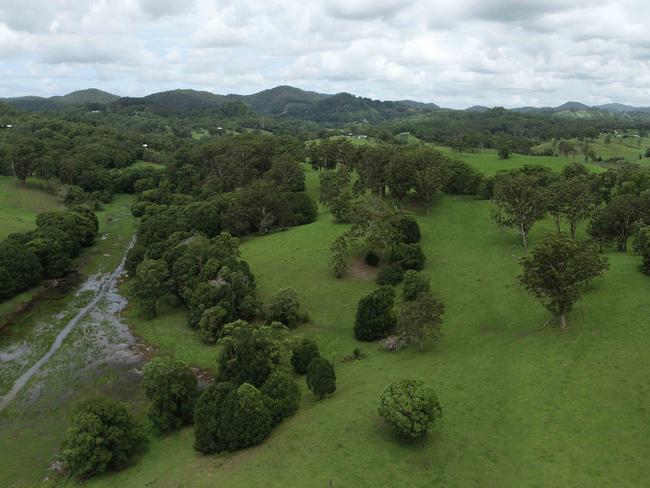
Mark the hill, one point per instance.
(83, 97)
(281, 100)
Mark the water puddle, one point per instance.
(87, 336)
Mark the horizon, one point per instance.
(331, 94)
(460, 54)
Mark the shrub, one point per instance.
(303, 351)
(212, 322)
(250, 353)
(208, 418)
(171, 388)
(372, 259)
(409, 256)
(409, 229)
(409, 407)
(302, 208)
(375, 318)
(281, 396)
(390, 275)
(414, 284)
(321, 379)
(285, 308)
(103, 437)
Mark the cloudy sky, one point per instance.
(455, 53)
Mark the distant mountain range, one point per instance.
(284, 101)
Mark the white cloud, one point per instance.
(452, 52)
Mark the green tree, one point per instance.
(285, 308)
(419, 320)
(303, 350)
(172, 389)
(281, 396)
(414, 284)
(557, 270)
(375, 317)
(103, 437)
(150, 284)
(520, 202)
(250, 353)
(321, 378)
(410, 407)
(209, 419)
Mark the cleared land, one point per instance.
(20, 206)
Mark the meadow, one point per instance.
(524, 404)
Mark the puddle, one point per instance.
(87, 336)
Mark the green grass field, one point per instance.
(629, 148)
(524, 404)
(20, 206)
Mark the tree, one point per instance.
(579, 201)
(375, 318)
(520, 202)
(409, 256)
(103, 437)
(208, 418)
(321, 378)
(286, 171)
(21, 263)
(504, 152)
(285, 308)
(281, 396)
(150, 284)
(303, 350)
(419, 320)
(409, 228)
(414, 284)
(172, 389)
(557, 271)
(250, 353)
(410, 407)
(245, 418)
(616, 221)
(213, 321)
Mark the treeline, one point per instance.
(229, 187)
(47, 251)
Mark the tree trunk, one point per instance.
(562, 321)
(573, 229)
(524, 238)
(557, 223)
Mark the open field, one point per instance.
(20, 206)
(524, 404)
(629, 148)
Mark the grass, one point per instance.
(629, 148)
(20, 206)
(524, 404)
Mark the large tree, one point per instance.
(420, 319)
(151, 283)
(557, 270)
(520, 202)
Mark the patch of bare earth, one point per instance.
(361, 271)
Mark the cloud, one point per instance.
(453, 52)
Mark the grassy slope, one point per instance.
(20, 206)
(628, 148)
(524, 404)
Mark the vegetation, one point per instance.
(103, 437)
(375, 316)
(321, 379)
(409, 407)
(172, 390)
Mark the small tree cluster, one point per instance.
(303, 351)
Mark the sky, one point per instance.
(454, 53)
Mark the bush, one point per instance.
(409, 229)
(372, 259)
(172, 390)
(414, 284)
(303, 351)
(212, 322)
(390, 275)
(103, 437)
(321, 379)
(409, 407)
(302, 208)
(375, 318)
(409, 256)
(285, 308)
(250, 353)
(281, 396)
(228, 418)
(208, 418)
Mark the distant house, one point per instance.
(362, 136)
(145, 145)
